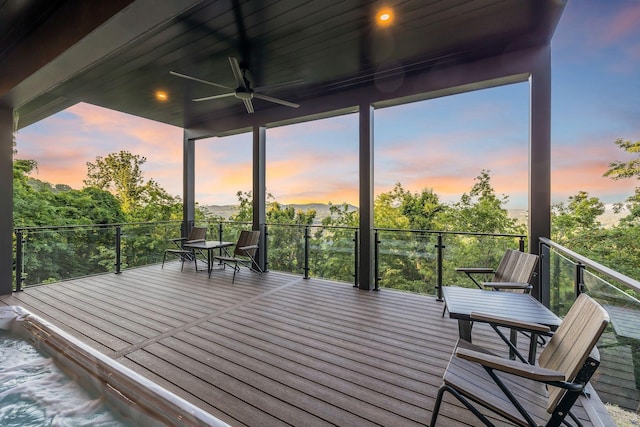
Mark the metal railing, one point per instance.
(53, 253)
(413, 260)
(564, 274)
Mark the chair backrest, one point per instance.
(197, 233)
(247, 238)
(516, 266)
(572, 342)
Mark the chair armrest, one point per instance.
(477, 270)
(510, 323)
(514, 367)
(178, 239)
(506, 285)
(195, 241)
(244, 248)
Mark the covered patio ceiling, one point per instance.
(118, 53)
(335, 55)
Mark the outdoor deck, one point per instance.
(271, 349)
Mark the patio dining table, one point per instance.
(209, 246)
(462, 302)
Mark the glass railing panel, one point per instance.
(562, 272)
(618, 377)
(60, 254)
(332, 253)
(617, 380)
(285, 248)
(407, 261)
(145, 243)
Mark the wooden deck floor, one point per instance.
(269, 350)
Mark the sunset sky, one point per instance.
(440, 144)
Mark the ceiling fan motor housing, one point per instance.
(244, 93)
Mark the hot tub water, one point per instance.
(35, 392)
(50, 378)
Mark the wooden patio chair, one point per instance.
(243, 254)
(524, 394)
(513, 274)
(197, 234)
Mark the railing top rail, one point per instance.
(226, 221)
(619, 277)
(66, 227)
(402, 230)
(467, 233)
(345, 227)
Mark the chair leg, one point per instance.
(462, 400)
(254, 263)
(235, 270)
(164, 257)
(436, 408)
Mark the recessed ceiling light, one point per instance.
(385, 17)
(162, 96)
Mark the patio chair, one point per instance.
(243, 254)
(513, 274)
(197, 234)
(524, 394)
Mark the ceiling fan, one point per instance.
(243, 91)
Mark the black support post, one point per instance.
(118, 249)
(306, 251)
(579, 279)
(356, 259)
(440, 247)
(376, 260)
(6, 199)
(19, 260)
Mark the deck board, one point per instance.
(271, 349)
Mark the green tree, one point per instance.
(578, 217)
(52, 255)
(480, 210)
(245, 207)
(121, 174)
(30, 208)
(625, 170)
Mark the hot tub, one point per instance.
(137, 400)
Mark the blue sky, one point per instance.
(441, 144)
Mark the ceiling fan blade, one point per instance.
(237, 72)
(207, 98)
(278, 86)
(248, 105)
(276, 100)
(195, 79)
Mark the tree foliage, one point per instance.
(121, 174)
(117, 192)
(628, 170)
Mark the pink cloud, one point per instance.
(622, 24)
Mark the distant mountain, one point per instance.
(322, 210)
(224, 211)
